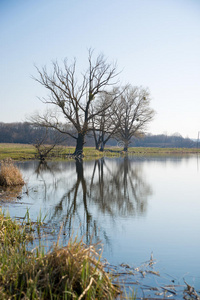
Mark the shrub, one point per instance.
(10, 175)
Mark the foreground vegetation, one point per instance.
(26, 152)
(71, 272)
(10, 175)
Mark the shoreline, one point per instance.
(21, 152)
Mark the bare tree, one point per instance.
(74, 100)
(132, 114)
(47, 143)
(103, 126)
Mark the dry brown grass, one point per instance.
(10, 175)
(74, 272)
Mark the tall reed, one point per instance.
(71, 272)
(10, 175)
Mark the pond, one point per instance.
(139, 207)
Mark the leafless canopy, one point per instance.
(133, 114)
(73, 99)
(104, 125)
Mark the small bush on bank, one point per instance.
(10, 175)
(72, 272)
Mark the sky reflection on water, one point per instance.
(135, 206)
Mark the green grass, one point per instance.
(71, 272)
(155, 150)
(25, 152)
(17, 151)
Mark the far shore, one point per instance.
(27, 152)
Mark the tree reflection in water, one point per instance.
(109, 188)
(121, 191)
(49, 188)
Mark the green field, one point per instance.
(26, 152)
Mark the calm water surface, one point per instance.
(136, 206)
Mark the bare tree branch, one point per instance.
(74, 100)
(132, 114)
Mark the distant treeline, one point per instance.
(165, 141)
(22, 133)
(25, 133)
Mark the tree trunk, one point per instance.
(102, 143)
(96, 140)
(102, 147)
(125, 146)
(97, 144)
(79, 144)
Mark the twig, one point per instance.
(87, 288)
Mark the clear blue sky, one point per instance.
(155, 42)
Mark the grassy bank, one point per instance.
(72, 272)
(25, 152)
(17, 151)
